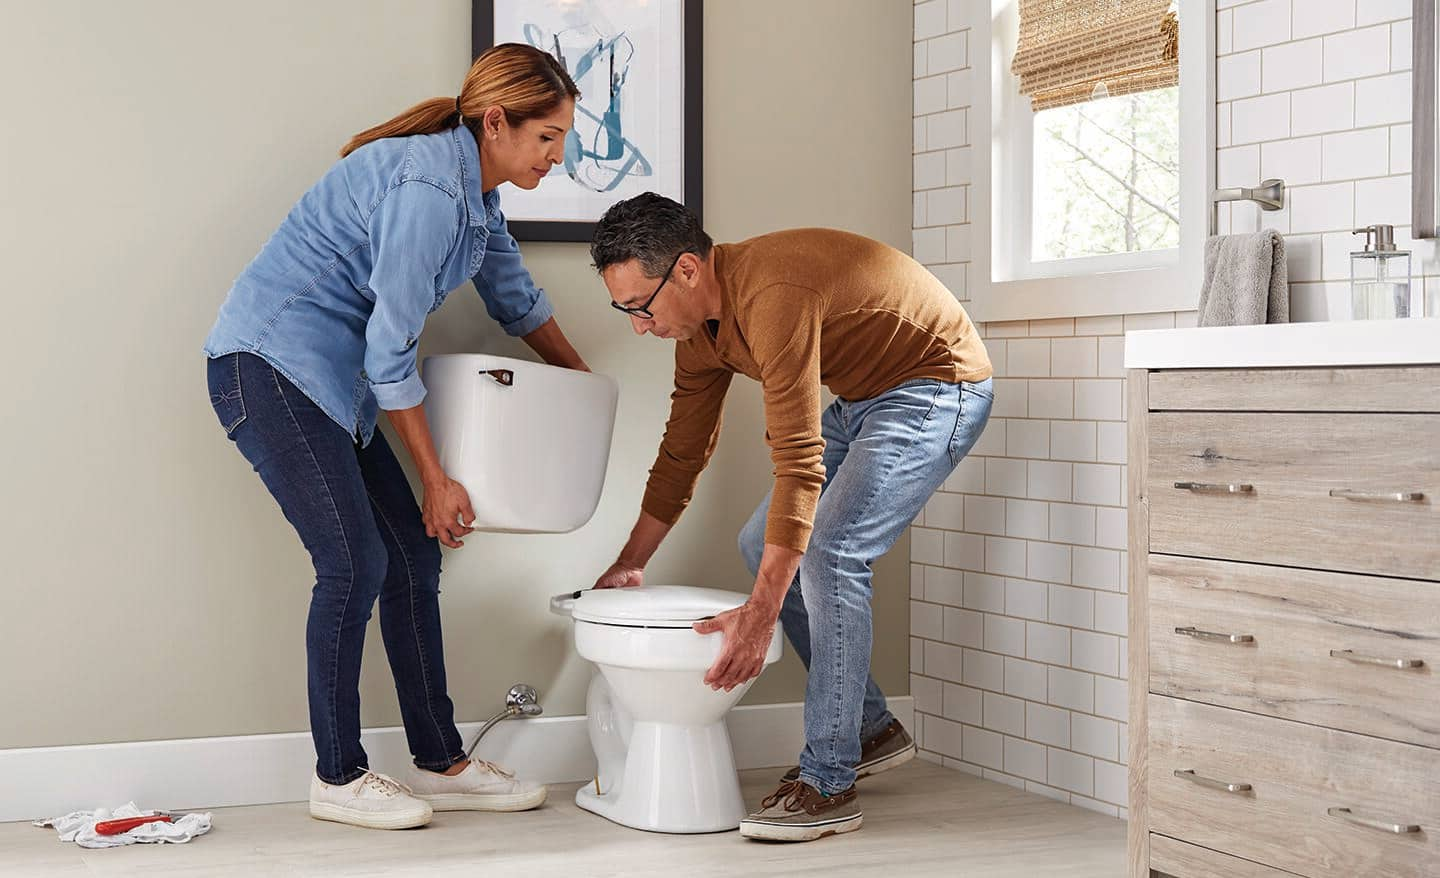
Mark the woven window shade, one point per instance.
(1068, 47)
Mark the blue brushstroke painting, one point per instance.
(602, 157)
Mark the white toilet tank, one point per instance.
(529, 442)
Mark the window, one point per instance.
(1095, 192)
(1107, 177)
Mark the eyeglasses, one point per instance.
(643, 311)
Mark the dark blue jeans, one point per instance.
(355, 513)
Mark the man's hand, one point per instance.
(748, 630)
(621, 575)
(628, 570)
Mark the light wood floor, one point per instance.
(920, 819)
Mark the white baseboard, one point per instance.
(196, 773)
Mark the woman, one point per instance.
(318, 334)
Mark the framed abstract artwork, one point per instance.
(637, 123)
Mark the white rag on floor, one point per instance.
(79, 827)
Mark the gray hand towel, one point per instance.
(1245, 280)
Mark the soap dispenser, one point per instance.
(1379, 276)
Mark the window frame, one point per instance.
(1128, 283)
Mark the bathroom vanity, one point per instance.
(1284, 575)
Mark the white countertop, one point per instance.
(1413, 341)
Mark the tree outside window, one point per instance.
(1107, 176)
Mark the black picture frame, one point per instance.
(482, 37)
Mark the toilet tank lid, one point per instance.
(652, 606)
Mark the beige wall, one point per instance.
(152, 588)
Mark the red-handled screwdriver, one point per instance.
(125, 824)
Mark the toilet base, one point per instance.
(678, 779)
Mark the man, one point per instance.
(796, 310)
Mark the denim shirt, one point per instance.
(337, 297)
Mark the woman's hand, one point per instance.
(554, 348)
(621, 575)
(446, 510)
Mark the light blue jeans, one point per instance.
(884, 457)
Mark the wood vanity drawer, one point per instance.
(1294, 620)
(1181, 860)
(1291, 784)
(1366, 389)
(1271, 488)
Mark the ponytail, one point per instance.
(522, 80)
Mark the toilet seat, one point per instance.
(651, 627)
(651, 606)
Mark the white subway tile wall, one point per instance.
(1028, 592)
(1018, 623)
(1328, 104)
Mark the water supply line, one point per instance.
(521, 700)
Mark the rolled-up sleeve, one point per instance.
(411, 230)
(504, 284)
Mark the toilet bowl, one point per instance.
(530, 444)
(661, 744)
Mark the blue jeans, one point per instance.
(353, 510)
(884, 457)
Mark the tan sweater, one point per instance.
(799, 309)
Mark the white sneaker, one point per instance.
(482, 786)
(371, 800)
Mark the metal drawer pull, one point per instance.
(1351, 655)
(1212, 784)
(1214, 636)
(1397, 828)
(1203, 487)
(1378, 496)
